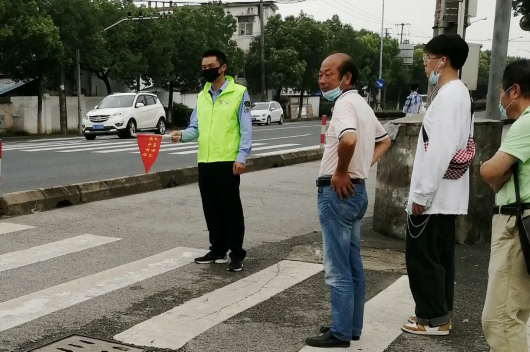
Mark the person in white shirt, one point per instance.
(355, 141)
(438, 191)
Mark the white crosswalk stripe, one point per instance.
(51, 250)
(181, 323)
(217, 306)
(114, 145)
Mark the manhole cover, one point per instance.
(77, 343)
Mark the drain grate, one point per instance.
(77, 343)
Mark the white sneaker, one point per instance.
(416, 329)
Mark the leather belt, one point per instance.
(326, 181)
(510, 209)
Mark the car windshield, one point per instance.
(261, 106)
(117, 101)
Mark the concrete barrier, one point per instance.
(93, 191)
(121, 187)
(148, 183)
(27, 202)
(61, 196)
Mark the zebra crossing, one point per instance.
(112, 145)
(193, 317)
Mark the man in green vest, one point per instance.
(222, 124)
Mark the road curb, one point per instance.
(28, 202)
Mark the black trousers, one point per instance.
(222, 208)
(430, 261)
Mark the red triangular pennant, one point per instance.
(149, 146)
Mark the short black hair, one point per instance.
(517, 72)
(221, 57)
(450, 45)
(414, 86)
(348, 65)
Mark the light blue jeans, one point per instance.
(341, 233)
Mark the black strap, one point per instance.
(515, 172)
(426, 137)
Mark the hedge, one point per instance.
(180, 115)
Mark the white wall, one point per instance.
(24, 111)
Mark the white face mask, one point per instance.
(434, 77)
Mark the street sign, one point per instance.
(380, 83)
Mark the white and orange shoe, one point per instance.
(412, 320)
(417, 329)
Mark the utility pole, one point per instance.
(439, 28)
(499, 54)
(402, 28)
(62, 104)
(79, 111)
(381, 56)
(262, 44)
(387, 35)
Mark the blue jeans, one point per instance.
(341, 233)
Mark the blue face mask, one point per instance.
(433, 78)
(502, 109)
(332, 95)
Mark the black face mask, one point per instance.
(211, 74)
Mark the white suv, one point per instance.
(124, 114)
(265, 113)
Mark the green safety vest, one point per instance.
(219, 133)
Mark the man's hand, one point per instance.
(175, 136)
(239, 168)
(418, 209)
(341, 183)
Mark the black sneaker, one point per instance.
(235, 265)
(212, 259)
(326, 340)
(324, 329)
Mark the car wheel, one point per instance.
(161, 127)
(281, 120)
(90, 137)
(268, 121)
(131, 129)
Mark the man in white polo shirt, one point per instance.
(355, 141)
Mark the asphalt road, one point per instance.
(121, 270)
(41, 163)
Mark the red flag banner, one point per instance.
(149, 146)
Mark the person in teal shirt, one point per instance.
(507, 306)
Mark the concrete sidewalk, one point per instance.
(281, 216)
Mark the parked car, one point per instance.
(124, 114)
(266, 113)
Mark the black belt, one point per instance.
(326, 181)
(510, 209)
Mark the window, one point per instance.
(246, 25)
(141, 99)
(151, 100)
(116, 101)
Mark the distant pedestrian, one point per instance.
(222, 123)
(439, 188)
(507, 305)
(413, 102)
(354, 142)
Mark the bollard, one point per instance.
(323, 131)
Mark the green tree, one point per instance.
(30, 44)
(197, 29)
(301, 40)
(521, 7)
